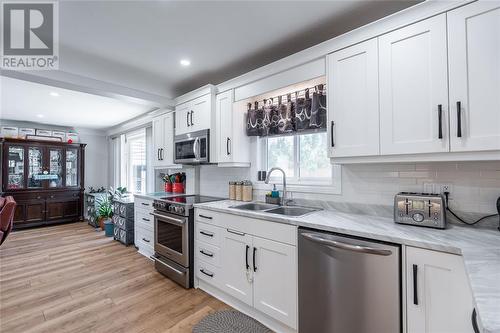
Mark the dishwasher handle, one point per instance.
(344, 246)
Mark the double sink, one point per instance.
(294, 211)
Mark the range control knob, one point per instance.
(417, 217)
(172, 209)
(179, 210)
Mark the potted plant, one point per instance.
(105, 210)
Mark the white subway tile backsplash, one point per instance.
(475, 185)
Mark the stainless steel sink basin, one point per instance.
(255, 206)
(275, 209)
(291, 210)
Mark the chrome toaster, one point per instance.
(422, 209)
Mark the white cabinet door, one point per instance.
(236, 279)
(413, 88)
(158, 142)
(182, 118)
(275, 280)
(167, 154)
(224, 120)
(474, 61)
(200, 114)
(353, 100)
(443, 302)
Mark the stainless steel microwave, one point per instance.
(192, 148)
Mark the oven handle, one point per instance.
(169, 266)
(168, 218)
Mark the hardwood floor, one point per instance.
(70, 278)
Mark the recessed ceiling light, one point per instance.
(54, 94)
(39, 115)
(185, 62)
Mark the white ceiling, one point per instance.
(27, 101)
(139, 44)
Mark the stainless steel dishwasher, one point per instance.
(348, 285)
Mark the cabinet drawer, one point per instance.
(207, 253)
(143, 204)
(144, 218)
(144, 235)
(208, 216)
(208, 233)
(208, 273)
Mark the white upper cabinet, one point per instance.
(414, 89)
(182, 121)
(439, 299)
(193, 116)
(353, 100)
(232, 142)
(474, 65)
(163, 140)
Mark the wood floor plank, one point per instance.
(70, 278)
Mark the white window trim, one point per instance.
(327, 185)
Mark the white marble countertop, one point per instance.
(479, 247)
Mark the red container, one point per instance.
(178, 188)
(168, 187)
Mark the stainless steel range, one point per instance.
(174, 236)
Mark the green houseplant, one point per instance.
(105, 210)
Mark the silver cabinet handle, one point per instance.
(239, 233)
(207, 234)
(146, 240)
(207, 253)
(344, 246)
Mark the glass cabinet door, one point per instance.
(71, 167)
(35, 167)
(15, 166)
(55, 167)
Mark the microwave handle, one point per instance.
(195, 148)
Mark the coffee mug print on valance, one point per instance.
(289, 113)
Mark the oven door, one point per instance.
(172, 237)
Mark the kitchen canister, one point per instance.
(232, 190)
(247, 191)
(239, 190)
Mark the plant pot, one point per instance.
(108, 227)
(168, 187)
(101, 222)
(178, 188)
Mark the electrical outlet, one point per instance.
(444, 188)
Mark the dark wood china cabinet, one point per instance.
(45, 178)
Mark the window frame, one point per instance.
(324, 185)
(126, 155)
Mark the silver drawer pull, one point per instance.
(144, 204)
(207, 234)
(239, 233)
(205, 217)
(208, 254)
(145, 219)
(146, 240)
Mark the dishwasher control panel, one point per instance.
(422, 209)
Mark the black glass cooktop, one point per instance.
(190, 199)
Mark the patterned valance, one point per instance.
(297, 113)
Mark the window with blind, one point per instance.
(136, 166)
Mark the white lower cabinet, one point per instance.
(275, 279)
(257, 271)
(439, 299)
(144, 226)
(236, 266)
